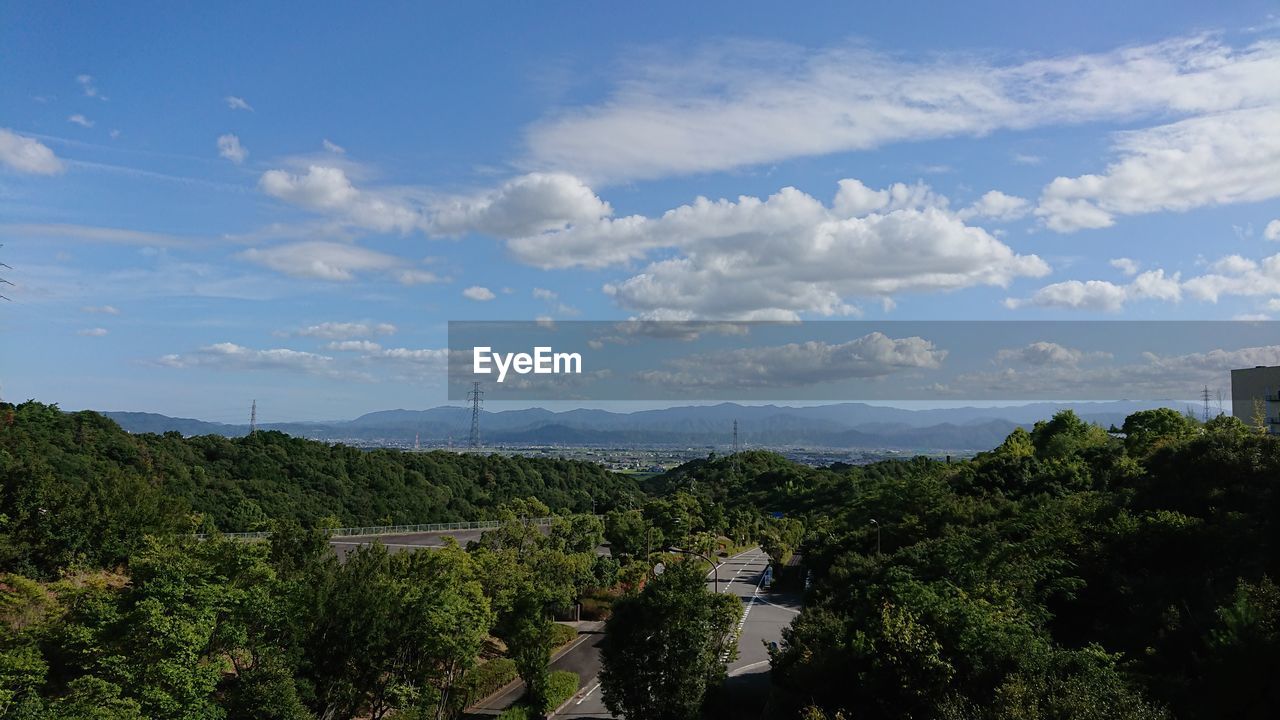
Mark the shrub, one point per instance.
(487, 678)
(561, 686)
(562, 635)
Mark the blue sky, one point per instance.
(204, 205)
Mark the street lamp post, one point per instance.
(877, 524)
(715, 566)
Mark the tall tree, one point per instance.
(662, 646)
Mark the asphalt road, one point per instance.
(400, 543)
(764, 617)
(582, 657)
(413, 541)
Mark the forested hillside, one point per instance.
(1068, 573)
(78, 488)
(111, 609)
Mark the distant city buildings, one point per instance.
(1255, 396)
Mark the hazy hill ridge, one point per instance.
(843, 425)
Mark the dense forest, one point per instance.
(79, 489)
(1070, 572)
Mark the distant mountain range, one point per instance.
(842, 425)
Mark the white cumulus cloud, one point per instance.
(1125, 265)
(1217, 159)
(776, 257)
(1101, 294)
(1046, 353)
(1235, 275)
(27, 155)
(997, 206)
(328, 190)
(478, 293)
(237, 103)
(526, 205)
(230, 148)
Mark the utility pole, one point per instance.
(476, 396)
(253, 417)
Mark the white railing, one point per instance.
(376, 530)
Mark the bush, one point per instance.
(595, 609)
(562, 635)
(487, 678)
(598, 604)
(561, 686)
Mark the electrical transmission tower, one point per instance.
(253, 417)
(1205, 396)
(476, 396)
(735, 448)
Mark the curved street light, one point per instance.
(877, 524)
(714, 565)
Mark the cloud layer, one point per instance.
(799, 364)
(727, 108)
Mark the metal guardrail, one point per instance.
(374, 530)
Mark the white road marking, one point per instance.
(734, 579)
(584, 697)
(724, 657)
(745, 668)
(780, 607)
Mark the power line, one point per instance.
(2, 280)
(476, 396)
